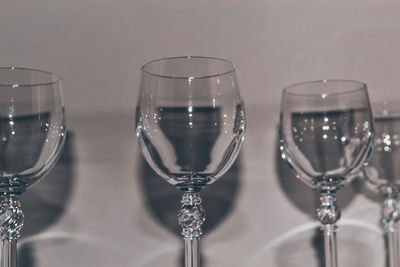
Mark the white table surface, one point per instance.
(103, 206)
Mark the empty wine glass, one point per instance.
(326, 132)
(32, 133)
(383, 172)
(190, 124)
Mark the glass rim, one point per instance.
(362, 86)
(57, 79)
(143, 68)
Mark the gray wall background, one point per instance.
(97, 46)
(108, 212)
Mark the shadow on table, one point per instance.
(306, 199)
(45, 202)
(163, 199)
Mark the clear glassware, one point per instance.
(32, 134)
(190, 124)
(326, 130)
(383, 172)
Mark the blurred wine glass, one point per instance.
(382, 173)
(326, 131)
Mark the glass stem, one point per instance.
(192, 258)
(328, 215)
(330, 248)
(390, 220)
(393, 249)
(191, 216)
(11, 219)
(9, 253)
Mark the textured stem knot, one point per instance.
(11, 217)
(327, 212)
(191, 215)
(390, 214)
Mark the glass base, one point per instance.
(359, 244)
(174, 257)
(168, 257)
(65, 251)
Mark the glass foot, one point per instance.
(303, 247)
(58, 250)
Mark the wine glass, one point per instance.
(383, 171)
(32, 134)
(326, 132)
(190, 124)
